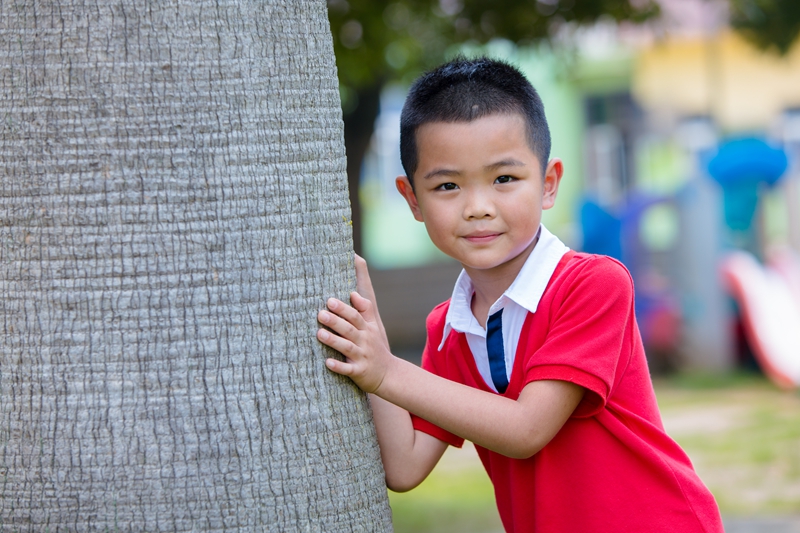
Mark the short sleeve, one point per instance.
(431, 361)
(587, 342)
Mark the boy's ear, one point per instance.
(552, 179)
(404, 187)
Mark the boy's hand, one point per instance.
(364, 289)
(358, 334)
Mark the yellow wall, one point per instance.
(724, 76)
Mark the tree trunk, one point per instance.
(174, 211)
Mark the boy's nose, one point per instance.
(478, 206)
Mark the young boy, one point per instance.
(537, 357)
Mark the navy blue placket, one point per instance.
(494, 346)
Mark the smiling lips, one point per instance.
(480, 237)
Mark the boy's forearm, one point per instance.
(464, 411)
(395, 433)
(513, 428)
(408, 456)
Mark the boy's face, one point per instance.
(480, 191)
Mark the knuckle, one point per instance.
(351, 332)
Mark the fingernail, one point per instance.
(331, 303)
(324, 316)
(323, 335)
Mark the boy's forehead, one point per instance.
(510, 126)
(510, 115)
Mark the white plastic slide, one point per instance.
(769, 301)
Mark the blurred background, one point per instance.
(678, 122)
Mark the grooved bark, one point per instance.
(173, 212)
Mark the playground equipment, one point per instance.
(769, 302)
(682, 306)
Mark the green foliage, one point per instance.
(377, 41)
(769, 24)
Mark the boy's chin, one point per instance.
(499, 265)
(490, 266)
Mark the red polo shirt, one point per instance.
(611, 467)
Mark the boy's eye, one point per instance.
(504, 179)
(447, 186)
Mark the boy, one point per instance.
(536, 358)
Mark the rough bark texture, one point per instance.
(174, 211)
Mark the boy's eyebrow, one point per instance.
(510, 162)
(441, 172)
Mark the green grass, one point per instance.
(741, 432)
(456, 498)
(743, 436)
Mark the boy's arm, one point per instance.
(516, 429)
(408, 455)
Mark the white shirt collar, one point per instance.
(526, 290)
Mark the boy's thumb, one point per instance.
(367, 294)
(361, 304)
(363, 283)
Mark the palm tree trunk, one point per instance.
(174, 211)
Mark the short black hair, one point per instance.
(463, 90)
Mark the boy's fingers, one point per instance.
(361, 304)
(340, 344)
(342, 327)
(369, 312)
(339, 367)
(346, 312)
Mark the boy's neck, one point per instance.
(490, 284)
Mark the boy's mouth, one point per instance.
(482, 236)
